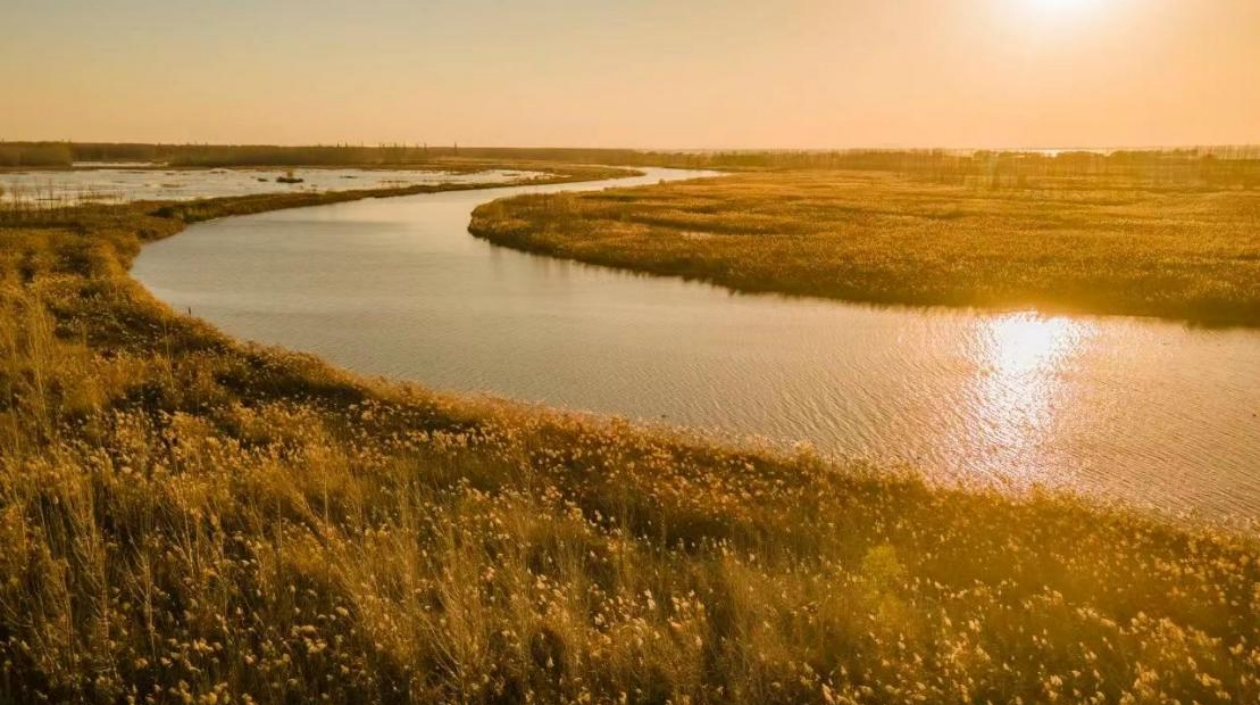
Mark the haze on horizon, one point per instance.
(635, 73)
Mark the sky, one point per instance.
(702, 74)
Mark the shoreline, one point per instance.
(183, 511)
(593, 231)
(735, 441)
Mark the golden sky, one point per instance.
(635, 73)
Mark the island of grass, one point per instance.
(185, 518)
(1163, 238)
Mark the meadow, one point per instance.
(1175, 236)
(185, 518)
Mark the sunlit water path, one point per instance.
(1152, 412)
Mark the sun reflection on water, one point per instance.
(1023, 344)
(1022, 360)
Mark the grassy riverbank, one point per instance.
(184, 518)
(1163, 241)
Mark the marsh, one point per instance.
(1151, 412)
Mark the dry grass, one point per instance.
(187, 519)
(1122, 243)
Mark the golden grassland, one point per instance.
(1122, 242)
(187, 519)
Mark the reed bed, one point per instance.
(187, 519)
(1170, 242)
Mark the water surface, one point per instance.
(1152, 412)
(118, 182)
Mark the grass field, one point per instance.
(184, 518)
(1164, 241)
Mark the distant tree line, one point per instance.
(35, 154)
(16, 154)
(1216, 166)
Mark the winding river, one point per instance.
(1151, 412)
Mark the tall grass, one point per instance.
(1127, 243)
(184, 518)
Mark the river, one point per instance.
(1151, 412)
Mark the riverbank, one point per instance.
(1123, 243)
(181, 514)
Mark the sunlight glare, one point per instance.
(1021, 359)
(1059, 10)
(1024, 343)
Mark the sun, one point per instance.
(1062, 5)
(1061, 8)
(1056, 16)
